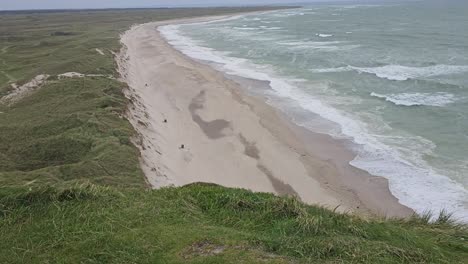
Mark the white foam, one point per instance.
(331, 70)
(311, 43)
(245, 28)
(273, 28)
(284, 15)
(410, 179)
(324, 35)
(358, 6)
(329, 46)
(270, 28)
(401, 73)
(413, 99)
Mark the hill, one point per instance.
(202, 223)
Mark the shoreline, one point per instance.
(197, 125)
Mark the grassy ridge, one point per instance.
(207, 224)
(69, 130)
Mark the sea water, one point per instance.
(393, 79)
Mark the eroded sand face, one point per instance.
(19, 92)
(195, 125)
(100, 52)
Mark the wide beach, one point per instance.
(197, 125)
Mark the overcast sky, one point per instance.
(64, 4)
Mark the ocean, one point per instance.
(391, 79)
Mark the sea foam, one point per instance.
(326, 46)
(401, 73)
(324, 35)
(414, 99)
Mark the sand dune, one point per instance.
(21, 91)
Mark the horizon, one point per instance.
(27, 5)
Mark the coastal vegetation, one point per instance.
(203, 223)
(72, 191)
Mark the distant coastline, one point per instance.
(78, 10)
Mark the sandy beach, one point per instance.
(197, 125)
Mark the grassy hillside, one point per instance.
(69, 130)
(206, 224)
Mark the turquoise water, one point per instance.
(393, 79)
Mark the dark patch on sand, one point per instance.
(212, 129)
(252, 151)
(280, 187)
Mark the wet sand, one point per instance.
(197, 125)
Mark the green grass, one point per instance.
(72, 191)
(69, 130)
(206, 224)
